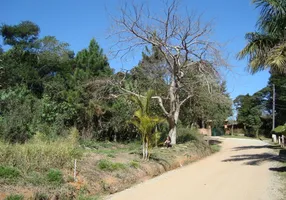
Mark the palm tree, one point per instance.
(144, 122)
(267, 47)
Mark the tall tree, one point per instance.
(183, 43)
(280, 101)
(266, 48)
(93, 60)
(248, 113)
(23, 34)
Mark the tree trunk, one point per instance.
(173, 134)
(174, 108)
(257, 133)
(143, 150)
(146, 150)
(203, 123)
(173, 121)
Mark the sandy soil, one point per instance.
(240, 171)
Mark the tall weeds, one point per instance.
(41, 154)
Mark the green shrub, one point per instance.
(89, 144)
(38, 155)
(35, 178)
(107, 165)
(15, 197)
(110, 155)
(186, 134)
(83, 197)
(9, 172)
(55, 176)
(134, 164)
(215, 148)
(18, 108)
(41, 196)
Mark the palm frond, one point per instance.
(138, 101)
(277, 58)
(272, 15)
(258, 44)
(257, 50)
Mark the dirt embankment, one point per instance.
(243, 169)
(135, 170)
(110, 168)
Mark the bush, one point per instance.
(134, 164)
(38, 155)
(186, 134)
(107, 165)
(18, 114)
(55, 176)
(83, 197)
(215, 148)
(14, 197)
(9, 172)
(41, 196)
(35, 178)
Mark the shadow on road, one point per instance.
(257, 147)
(255, 159)
(214, 142)
(258, 159)
(278, 169)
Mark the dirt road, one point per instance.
(242, 170)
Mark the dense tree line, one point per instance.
(45, 87)
(255, 111)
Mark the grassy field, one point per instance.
(43, 169)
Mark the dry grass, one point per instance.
(103, 169)
(40, 154)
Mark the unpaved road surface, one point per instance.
(242, 170)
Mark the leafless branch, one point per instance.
(161, 104)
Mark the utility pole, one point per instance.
(274, 137)
(273, 108)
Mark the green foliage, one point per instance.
(9, 172)
(93, 60)
(40, 155)
(35, 178)
(22, 34)
(186, 135)
(18, 127)
(86, 197)
(205, 105)
(249, 113)
(15, 197)
(280, 129)
(41, 196)
(144, 122)
(215, 148)
(255, 111)
(266, 48)
(280, 101)
(55, 177)
(110, 155)
(135, 164)
(107, 165)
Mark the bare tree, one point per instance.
(183, 40)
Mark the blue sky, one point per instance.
(76, 22)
